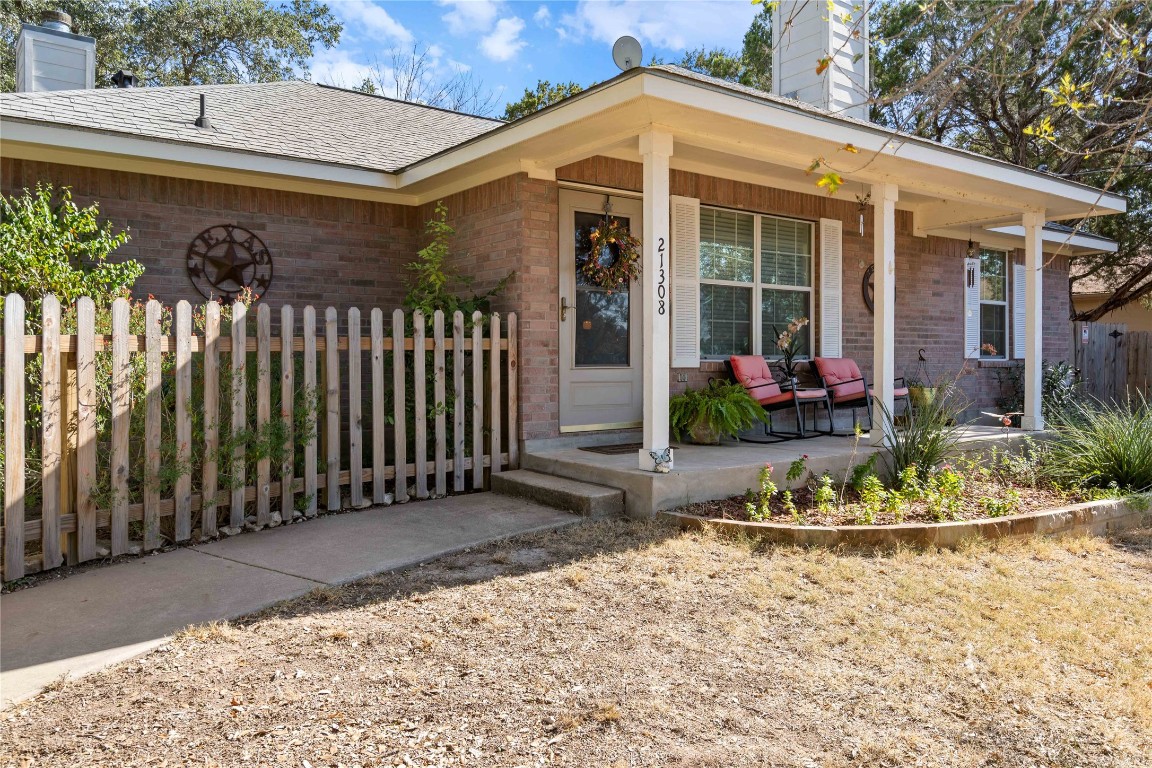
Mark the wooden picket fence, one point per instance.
(481, 397)
(1114, 362)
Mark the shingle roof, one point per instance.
(294, 119)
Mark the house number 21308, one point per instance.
(661, 288)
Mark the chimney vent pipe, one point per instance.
(203, 121)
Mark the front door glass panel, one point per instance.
(602, 324)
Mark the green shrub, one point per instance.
(1060, 384)
(1098, 445)
(49, 245)
(928, 437)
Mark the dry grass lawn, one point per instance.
(631, 644)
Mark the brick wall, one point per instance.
(326, 251)
(331, 251)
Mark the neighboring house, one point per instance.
(1089, 293)
(711, 175)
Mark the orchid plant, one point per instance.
(788, 343)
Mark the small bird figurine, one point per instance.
(1004, 418)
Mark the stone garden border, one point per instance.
(1096, 518)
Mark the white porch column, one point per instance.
(655, 148)
(884, 198)
(1033, 417)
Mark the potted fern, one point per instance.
(720, 409)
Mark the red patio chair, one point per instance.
(755, 374)
(847, 387)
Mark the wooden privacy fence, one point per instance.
(174, 423)
(1113, 362)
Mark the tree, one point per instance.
(187, 42)
(1062, 87)
(536, 99)
(417, 76)
(48, 244)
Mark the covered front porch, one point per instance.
(704, 473)
(686, 138)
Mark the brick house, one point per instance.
(711, 176)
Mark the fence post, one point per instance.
(239, 380)
(182, 502)
(210, 483)
(152, 416)
(513, 393)
(379, 457)
(400, 436)
(121, 424)
(355, 413)
(68, 417)
(50, 434)
(332, 406)
(494, 371)
(13, 437)
(287, 412)
(458, 401)
(439, 396)
(311, 489)
(263, 414)
(477, 401)
(420, 406)
(87, 404)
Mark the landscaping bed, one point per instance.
(983, 498)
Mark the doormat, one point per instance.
(618, 449)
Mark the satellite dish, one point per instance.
(627, 53)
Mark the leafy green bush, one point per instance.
(928, 437)
(1059, 388)
(1098, 445)
(48, 244)
(722, 407)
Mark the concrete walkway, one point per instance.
(103, 616)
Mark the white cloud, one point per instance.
(504, 42)
(370, 18)
(675, 25)
(470, 16)
(542, 16)
(337, 68)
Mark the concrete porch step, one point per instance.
(560, 492)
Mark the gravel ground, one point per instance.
(633, 644)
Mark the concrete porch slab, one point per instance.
(706, 472)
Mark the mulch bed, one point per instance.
(1031, 500)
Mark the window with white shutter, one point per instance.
(1019, 310)
(685, 282)
(971, 308)
(831, 287)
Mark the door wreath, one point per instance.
(613, 256)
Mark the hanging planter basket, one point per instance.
(613, 256)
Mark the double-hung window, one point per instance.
(755, 278)
(993, 304)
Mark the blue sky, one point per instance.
(509, 45)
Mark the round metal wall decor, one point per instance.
(868, 288)
(225, 259)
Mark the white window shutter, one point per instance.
(831, 288)
(685, 282)
(1019, 310)
(971, 308)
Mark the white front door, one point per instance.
(601, 374)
